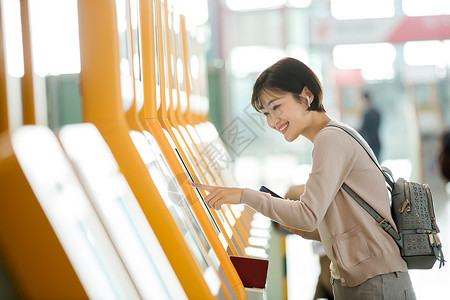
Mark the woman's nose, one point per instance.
(272, 120)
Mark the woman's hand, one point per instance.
(290, 229)
(219, 195)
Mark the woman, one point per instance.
(365, 260)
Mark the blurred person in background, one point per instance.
(444, 156)
(371, 124)
(365, 260)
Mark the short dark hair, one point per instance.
(288, 75)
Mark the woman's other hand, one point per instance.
(219, 195)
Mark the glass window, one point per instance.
(299, 3)
(425, 8)
(357, 9)
(244, 60)
(55, 41)
(254, 4)
(374, 60)
(424, 53)
(196, 11)
(13, 37)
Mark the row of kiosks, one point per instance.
(160, 169)
(113, 116)
(200, 157)
(70, 224)
(188, 162)
(208, 143)
(166, 133)
(110, 198)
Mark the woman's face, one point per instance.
(285, 114)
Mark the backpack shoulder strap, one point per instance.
(381, 221)
(386, 173)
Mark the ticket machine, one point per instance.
(52, 242)
(120, 213)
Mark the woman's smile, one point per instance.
(283, 128)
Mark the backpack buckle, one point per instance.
(382, 222)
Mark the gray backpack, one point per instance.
(413, 213)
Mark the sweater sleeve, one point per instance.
(333, 157)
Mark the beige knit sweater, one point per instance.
(357, 246)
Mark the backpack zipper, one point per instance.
(430, 207)
(407, 203)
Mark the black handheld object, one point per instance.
(266, 190)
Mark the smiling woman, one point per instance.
(290, 95)
(285, 93)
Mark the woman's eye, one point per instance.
(266, 114)
(275, 107)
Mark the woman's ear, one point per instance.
(306, 92)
